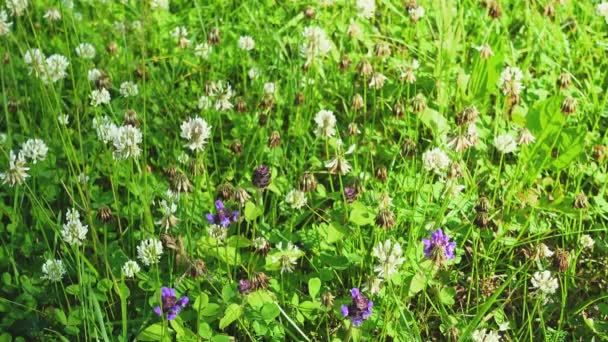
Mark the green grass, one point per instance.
(551, 191)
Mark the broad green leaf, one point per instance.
(361, 215)
(232, 313)
(270, 311)
(314, 285)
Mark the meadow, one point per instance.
(323, 170)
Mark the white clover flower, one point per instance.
(202, 50)
(543, 251)
(54, 68)
(197, 132)
(260, 244)
(94, 74)
(183, 158)
(408, 74)
(389, 255)
(179, 32)
(338, 164)
(253, 73)
(149, 251)
(505, 143)
(126, 140)
(5, 25)
(587, 241)
(168, 219)
(159, 4)
(483, 335)
(130, 268)
(525, 137)
(100, 97)
(128, 89)
(316, 44)
(510, 81)
(377, 81)
(366, 8)
(453, 189)
(17, 170)
(74, 232)
(544, 282)
(35, 58)
(52, 14)
(35, 150)
(17, 7)
(286, 257)
(105, 128)
(53, 270)
(217, 232)
(63, 119)
(602, 10)
(222, 92)
(416, 13)
(204, 102)
(269, 88)
(296, 198)
(246, 43)
(435, 160)
(326, 123)
(85, 50)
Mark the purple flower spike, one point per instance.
(439, 246)
(223, 217)
(170, 305)
(360, 308)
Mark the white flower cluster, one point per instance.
(100, 97)
(389, 255)
(128, 89)
(197, 132)
(202, 50)
(246, 43)
(510, 81)
(602, 10)
(483, 335)
(316, 44)
(167, 210)
(17, 7)
(149, 251)
(130, 268)
(124, 139)
(85, 50)
(33, 149)
(286, 257)
(296, 199)
(326, 123)
(366, 8)
(435, 160)
(53, 270)
(5, 25)
(544, 282)
(49, 70)
(505, 143)
(74, 232)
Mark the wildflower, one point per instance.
(316, 44)
(222, 92)
(602, 10)
(261, 245)
(246, 43)
(100, 97)
(74, 232)
(253, 73)
(35, 150)
(52, 14)
(197, 132)
(242, 196)
(385, 219)
(36, 61)
(17, 7)
(217, 232)
(53, 270)
(149, 251)
(296, 198)
(326, 123)
(483, 335)
(214, 37)
(17, 170)
(377, 81)
(204, 102)
(339, 164)
(353, 29)
(170, 304)
(223, 216)
(542, 252)
(525, 137)
(350, 193)
(389, 255)
(366, 8)
(439, 247)
(63, 119)
(128, 89)
(130, 268)
(360, 308)
(168, 220)
(54, 68)
(416, 13)
(435, 160)
(202, 50)
(485, 51)
(159, 4)
(94, 74)
(5, 25)
(105, 214)
(261, 177)
(178, 33)
(569, 105)
(269, 88)
(245, 286)
(126, 140)
(408, 71)
(505, 143)
(544, 282)
(105, 128)
(587, 241)
(459, 143)
(85, 50)
(510, 81)
(286, 257)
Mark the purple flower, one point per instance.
(439, 246)
(360, 308)
(170, 304)
(245, 286)
(223, 217)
